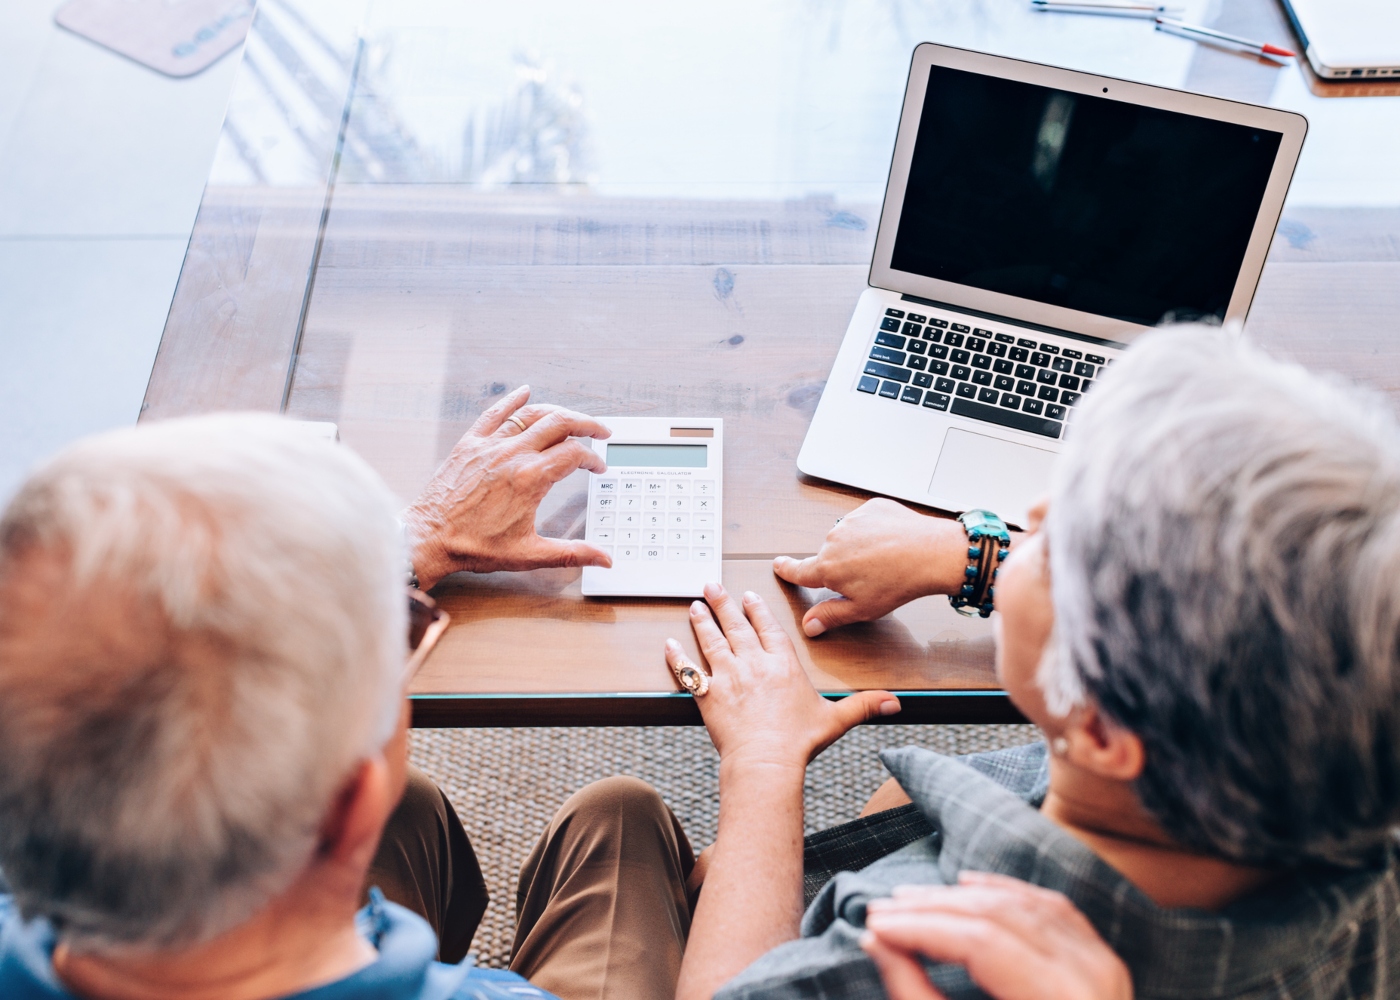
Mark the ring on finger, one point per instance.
(514, 418)
(692, 678)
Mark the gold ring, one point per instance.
(515, 419)
(692, 678)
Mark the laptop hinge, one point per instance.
(1025, 324)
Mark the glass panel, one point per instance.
(233, 325)
(656, 209)
(283, 119)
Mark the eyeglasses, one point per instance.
(426, 623)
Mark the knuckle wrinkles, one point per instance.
(980, 934)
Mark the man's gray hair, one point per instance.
(166, 765)
(1224, 539)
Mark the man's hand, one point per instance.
(878, 557)
(478, 513)
(1017, 942)
(761, 707)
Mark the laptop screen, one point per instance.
(1079, 201)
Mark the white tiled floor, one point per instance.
(102, 163)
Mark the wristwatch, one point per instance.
(988, 543)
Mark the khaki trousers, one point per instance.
(426, 863)
(601, 907)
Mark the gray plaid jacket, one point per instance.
(1319, 934)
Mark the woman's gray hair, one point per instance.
(1224, 539)
(159, 788)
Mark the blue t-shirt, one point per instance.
(405, 969)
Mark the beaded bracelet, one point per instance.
(978, 590)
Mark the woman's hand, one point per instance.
(761, 708)
(1016, 940)
(878, 557)
(478, 513)
(767, 722)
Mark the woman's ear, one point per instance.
(1035, 517)
(1101, 747)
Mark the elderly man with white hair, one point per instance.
(1204, 622)
(203, 631)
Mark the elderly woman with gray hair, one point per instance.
(1204, 622)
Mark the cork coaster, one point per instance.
(177, 39)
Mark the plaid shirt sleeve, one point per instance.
(861, 842)
(827, 961)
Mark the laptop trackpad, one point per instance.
(975, 470)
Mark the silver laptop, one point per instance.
(1036, 220)
(1348, 39)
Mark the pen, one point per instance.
(1120, 8)
(1200, 34)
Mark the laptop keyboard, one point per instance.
(1029, 384)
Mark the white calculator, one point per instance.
(656, 510)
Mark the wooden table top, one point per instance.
(366, 290)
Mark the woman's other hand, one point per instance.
(767, 722)
(761, 707)
(478, 513)
(1017, 942)
(878, 557)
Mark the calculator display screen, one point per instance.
(658, 456)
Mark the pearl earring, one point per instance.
(1059, 746)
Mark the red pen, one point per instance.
(1197, 33)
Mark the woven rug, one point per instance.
(507, 783)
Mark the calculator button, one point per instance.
(655, 503)
(702, 537)
(607, 550)
(653, 552)
(629, 503)
(627, 519)
(678, 503)
(605, 501)
(704, 520)
(631, 486)
(602, 535)
(603, 519)
(657, 537)
(654, 520)
(705, 503)
(630, 535)
(702, 555)
(627, 552)
(678, 553)
(677, 537)
(680, 485)
(681, 520)
(705, 488)
(656, 486)
(607, 486)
